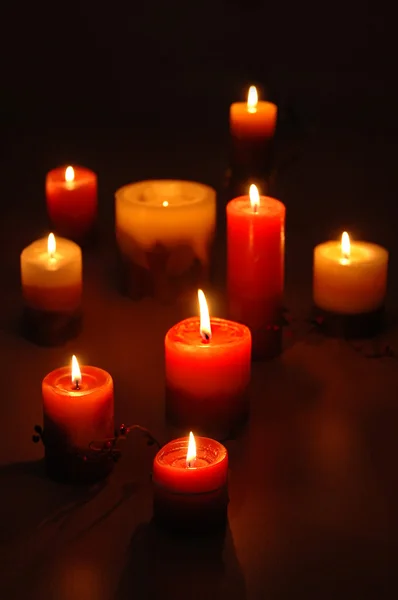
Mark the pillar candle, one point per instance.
(350, 278)
(51, 276)
(207, 374)
(190, 484)
(252, 127)
(71, 194)
(164, 232)
(78, 409)
(255, 267)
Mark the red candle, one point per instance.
(72, 200)
(78, 409)
(190, 483)
(207, 373)
(255, 266)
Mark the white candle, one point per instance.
(51, 275)
(349, 277)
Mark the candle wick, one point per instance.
(77, 386)
(189, 464)
(205, 337)
(255, 208)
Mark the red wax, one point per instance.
(75, 417)
(72, 205)
(206, 383)
(255, 262)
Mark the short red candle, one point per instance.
(71, 194)
(76, 415)
(191, 495)
(206, 382)
(255, 265)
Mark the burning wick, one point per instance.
(76, 373)
(191, 452)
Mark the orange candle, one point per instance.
(71, 195)
(78, 409)
(253, 118)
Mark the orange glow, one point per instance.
(254, 197)
(205, 327)
(76, 374)
(252, 99)
(191, 452)
(51, 245)
(69, 174)
(165, 203)
(345, 246)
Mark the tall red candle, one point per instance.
(190, 483)
(255, 267)
(71, 195)
(78, 409)
(208, 365)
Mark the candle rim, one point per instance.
(268, 206)
(175, 337)
(378, 252)
(207, 194)
(31, 252)
(87, 371)
(182, 444)
(83, 175)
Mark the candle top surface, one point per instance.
(259, 107)
(267, 207)
(92, 378)
(360, 252)
(37, 252)
(224, 333)
(208, 452)
(166, 194)
(80, 175)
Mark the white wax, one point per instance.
(165, 212)
(353, 285)
(52, 283)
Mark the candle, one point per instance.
(51, 276)
(78, 409)
(71, 194)
(190, 484)
(255, 267)
(164, 231)
(207, 373)
(350, 278)
(252, 127)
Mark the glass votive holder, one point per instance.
(164, 232)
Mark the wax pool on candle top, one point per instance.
(351, 278)
(71, 194)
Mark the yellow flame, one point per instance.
(205, 327)
(51, 245)
(165, 203)
(254, 197)
(76, 374)
(345, 245)
(69, 174)
(252, 99)
(191, 452)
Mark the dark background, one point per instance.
(143, 90)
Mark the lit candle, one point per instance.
(255, 267)
(207, 373)
(190, 484)
(78, 409)
(51, 276)
(71, 194)
(164, 231)
(252, 127)
(350, 277)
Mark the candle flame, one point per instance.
(252, 99)
(191, 452)
(51, 245)
(345, 246)
(76, 373)
(254, 197)
(165, 203)
(69, 174)
(205, 327)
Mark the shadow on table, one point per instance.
(160, 564)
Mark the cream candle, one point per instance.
(350, 278)
(51, 277)
(164, 231)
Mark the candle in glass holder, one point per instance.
(51, 276)
(190, 484)
(164, 231)
(208, 367)
(350, 277)
(255, 268)
(252, 127)
(71, 194)
(78, 416)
